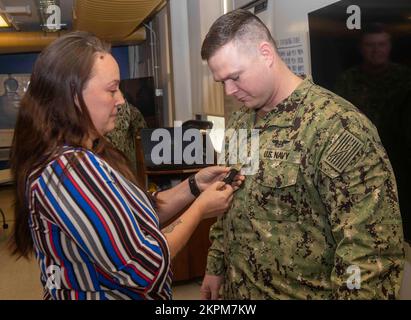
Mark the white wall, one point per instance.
(165, 76)
(291, 16)
(209, 98)
(180, 44)
(190, 21)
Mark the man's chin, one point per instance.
(245, 103)
(251, 106)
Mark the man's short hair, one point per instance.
(238, 25)
(373, 28)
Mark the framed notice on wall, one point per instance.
(294, 52)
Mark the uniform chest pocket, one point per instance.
(275, 191)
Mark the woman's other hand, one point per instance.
(215, 200)
(207, 176)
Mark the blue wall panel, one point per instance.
(23, 62)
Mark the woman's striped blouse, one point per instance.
(96, 235)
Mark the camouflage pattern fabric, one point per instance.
(386, 100)
(379, 96)
(324, 200)
(123, 137)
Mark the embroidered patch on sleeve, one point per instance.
(343, 150)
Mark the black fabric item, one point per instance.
(193, 186)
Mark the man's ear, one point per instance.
(267, 52)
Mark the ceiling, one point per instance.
(117, 21)
(32, 22)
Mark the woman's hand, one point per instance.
(215, 200)
(207, 176)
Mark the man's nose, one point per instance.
(120, 98)
(230, 88)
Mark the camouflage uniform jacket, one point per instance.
(378, 96)
(123, 137)
(385, 98)
(322, 207)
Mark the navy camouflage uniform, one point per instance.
(385, 98)
(324, 201)
(129, 120)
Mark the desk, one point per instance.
(6, 190)
(190, 262)
(7, 206)
(6, 139)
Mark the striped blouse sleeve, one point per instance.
(107, 218)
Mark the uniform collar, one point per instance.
(284, 114)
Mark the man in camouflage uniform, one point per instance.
(320, 218)
(123, 137)
(378, 87)
(381, 89)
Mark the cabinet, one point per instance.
(190, 263)
(6, 190)
(6, 213)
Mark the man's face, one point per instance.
(376, 48)
(244, 74)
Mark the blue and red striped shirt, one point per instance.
(96, 235)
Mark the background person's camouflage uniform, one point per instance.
(385, 98)
(324, 199)
(129, 120)
(379, 96)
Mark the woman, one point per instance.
(94, 233)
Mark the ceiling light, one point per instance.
(4, 22)
(24, 10)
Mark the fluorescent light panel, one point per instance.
(3, 22)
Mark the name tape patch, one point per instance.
(276, 155)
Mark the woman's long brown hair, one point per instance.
(49, 118)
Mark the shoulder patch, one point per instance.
(343, 150)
